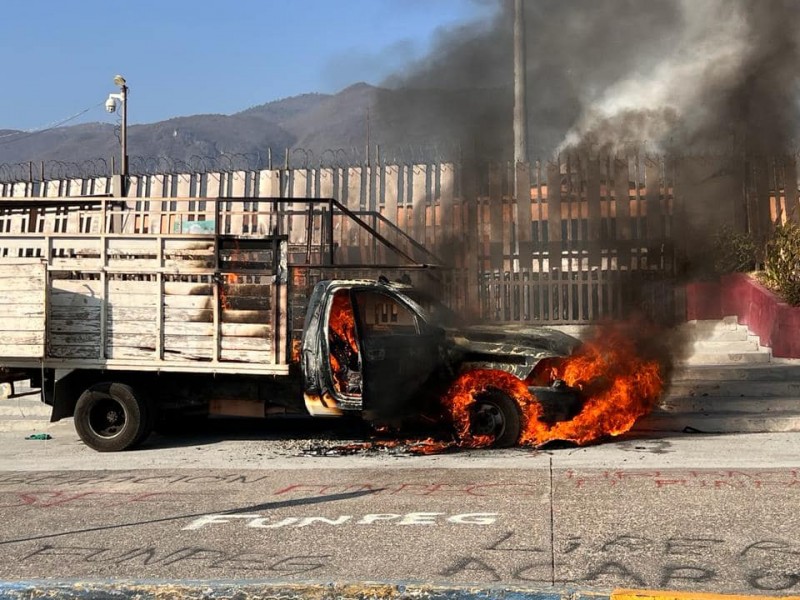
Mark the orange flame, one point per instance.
(224, 301)
(461, 397)
(618, 386)
(341, 325)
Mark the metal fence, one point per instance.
(569, 240)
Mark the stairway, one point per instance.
(728, 383)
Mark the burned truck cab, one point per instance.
(367, 349)
(386, 352)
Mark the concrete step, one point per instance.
(709, 326)
(733, 388)
(719, 346)
(720, 422)
(731, 404)
(777, 370)
(728, 358)
(739, 334)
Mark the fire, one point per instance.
(617, 374)
(342, 338)
(228, 279)
(461, 397)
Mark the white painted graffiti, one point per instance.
(258, 521)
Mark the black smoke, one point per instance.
(673, 74)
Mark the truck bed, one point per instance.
(157, 302)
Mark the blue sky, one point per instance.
(183, 57)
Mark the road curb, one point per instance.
(244, 590)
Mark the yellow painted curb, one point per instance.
(672, 595)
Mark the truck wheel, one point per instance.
(109, 417)
(495, 413)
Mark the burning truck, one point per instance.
(128, 333)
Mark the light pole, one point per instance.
(520, 114)
(111, 106)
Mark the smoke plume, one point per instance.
(692, 75)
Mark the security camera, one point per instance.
(111, 105)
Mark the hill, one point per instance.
(328, 128)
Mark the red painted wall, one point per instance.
(775, 323)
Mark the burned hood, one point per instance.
(513, 348)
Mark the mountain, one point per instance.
(313, 122)
(408, 125)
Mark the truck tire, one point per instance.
(496, 413)
(110, 417)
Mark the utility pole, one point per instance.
(520, 114)
(111, 106)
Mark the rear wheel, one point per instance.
(110, 417)
(496, 414)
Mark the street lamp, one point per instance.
(111, 106)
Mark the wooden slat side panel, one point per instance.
(22, 318)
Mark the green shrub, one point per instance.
(734, 251)
(782, 262)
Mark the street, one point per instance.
(256, 501)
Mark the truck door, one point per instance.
(399, 352)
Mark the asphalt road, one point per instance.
(706, 513)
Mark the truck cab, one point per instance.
(369, 348)
(387, 352)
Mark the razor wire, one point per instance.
(295, 158)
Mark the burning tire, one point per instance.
(495, 414)
(110, 417)
(485, 408)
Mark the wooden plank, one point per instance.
(73, 339)
(246, 330)
(23, 311)
(192, 315)
(245, 343)
(137, 327)
(73, 351)
(190, 329)
(73, 313)
(22, 298)
(22, 351)
(77, 325)
(133, 300)
(23, 287)
(147, 341)
(116, 286)
(179, 288)
(127, 352)
(16, 270)
(116, 313)
(198, 302)
(246, 316)
(21, 338)
(248, 356)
